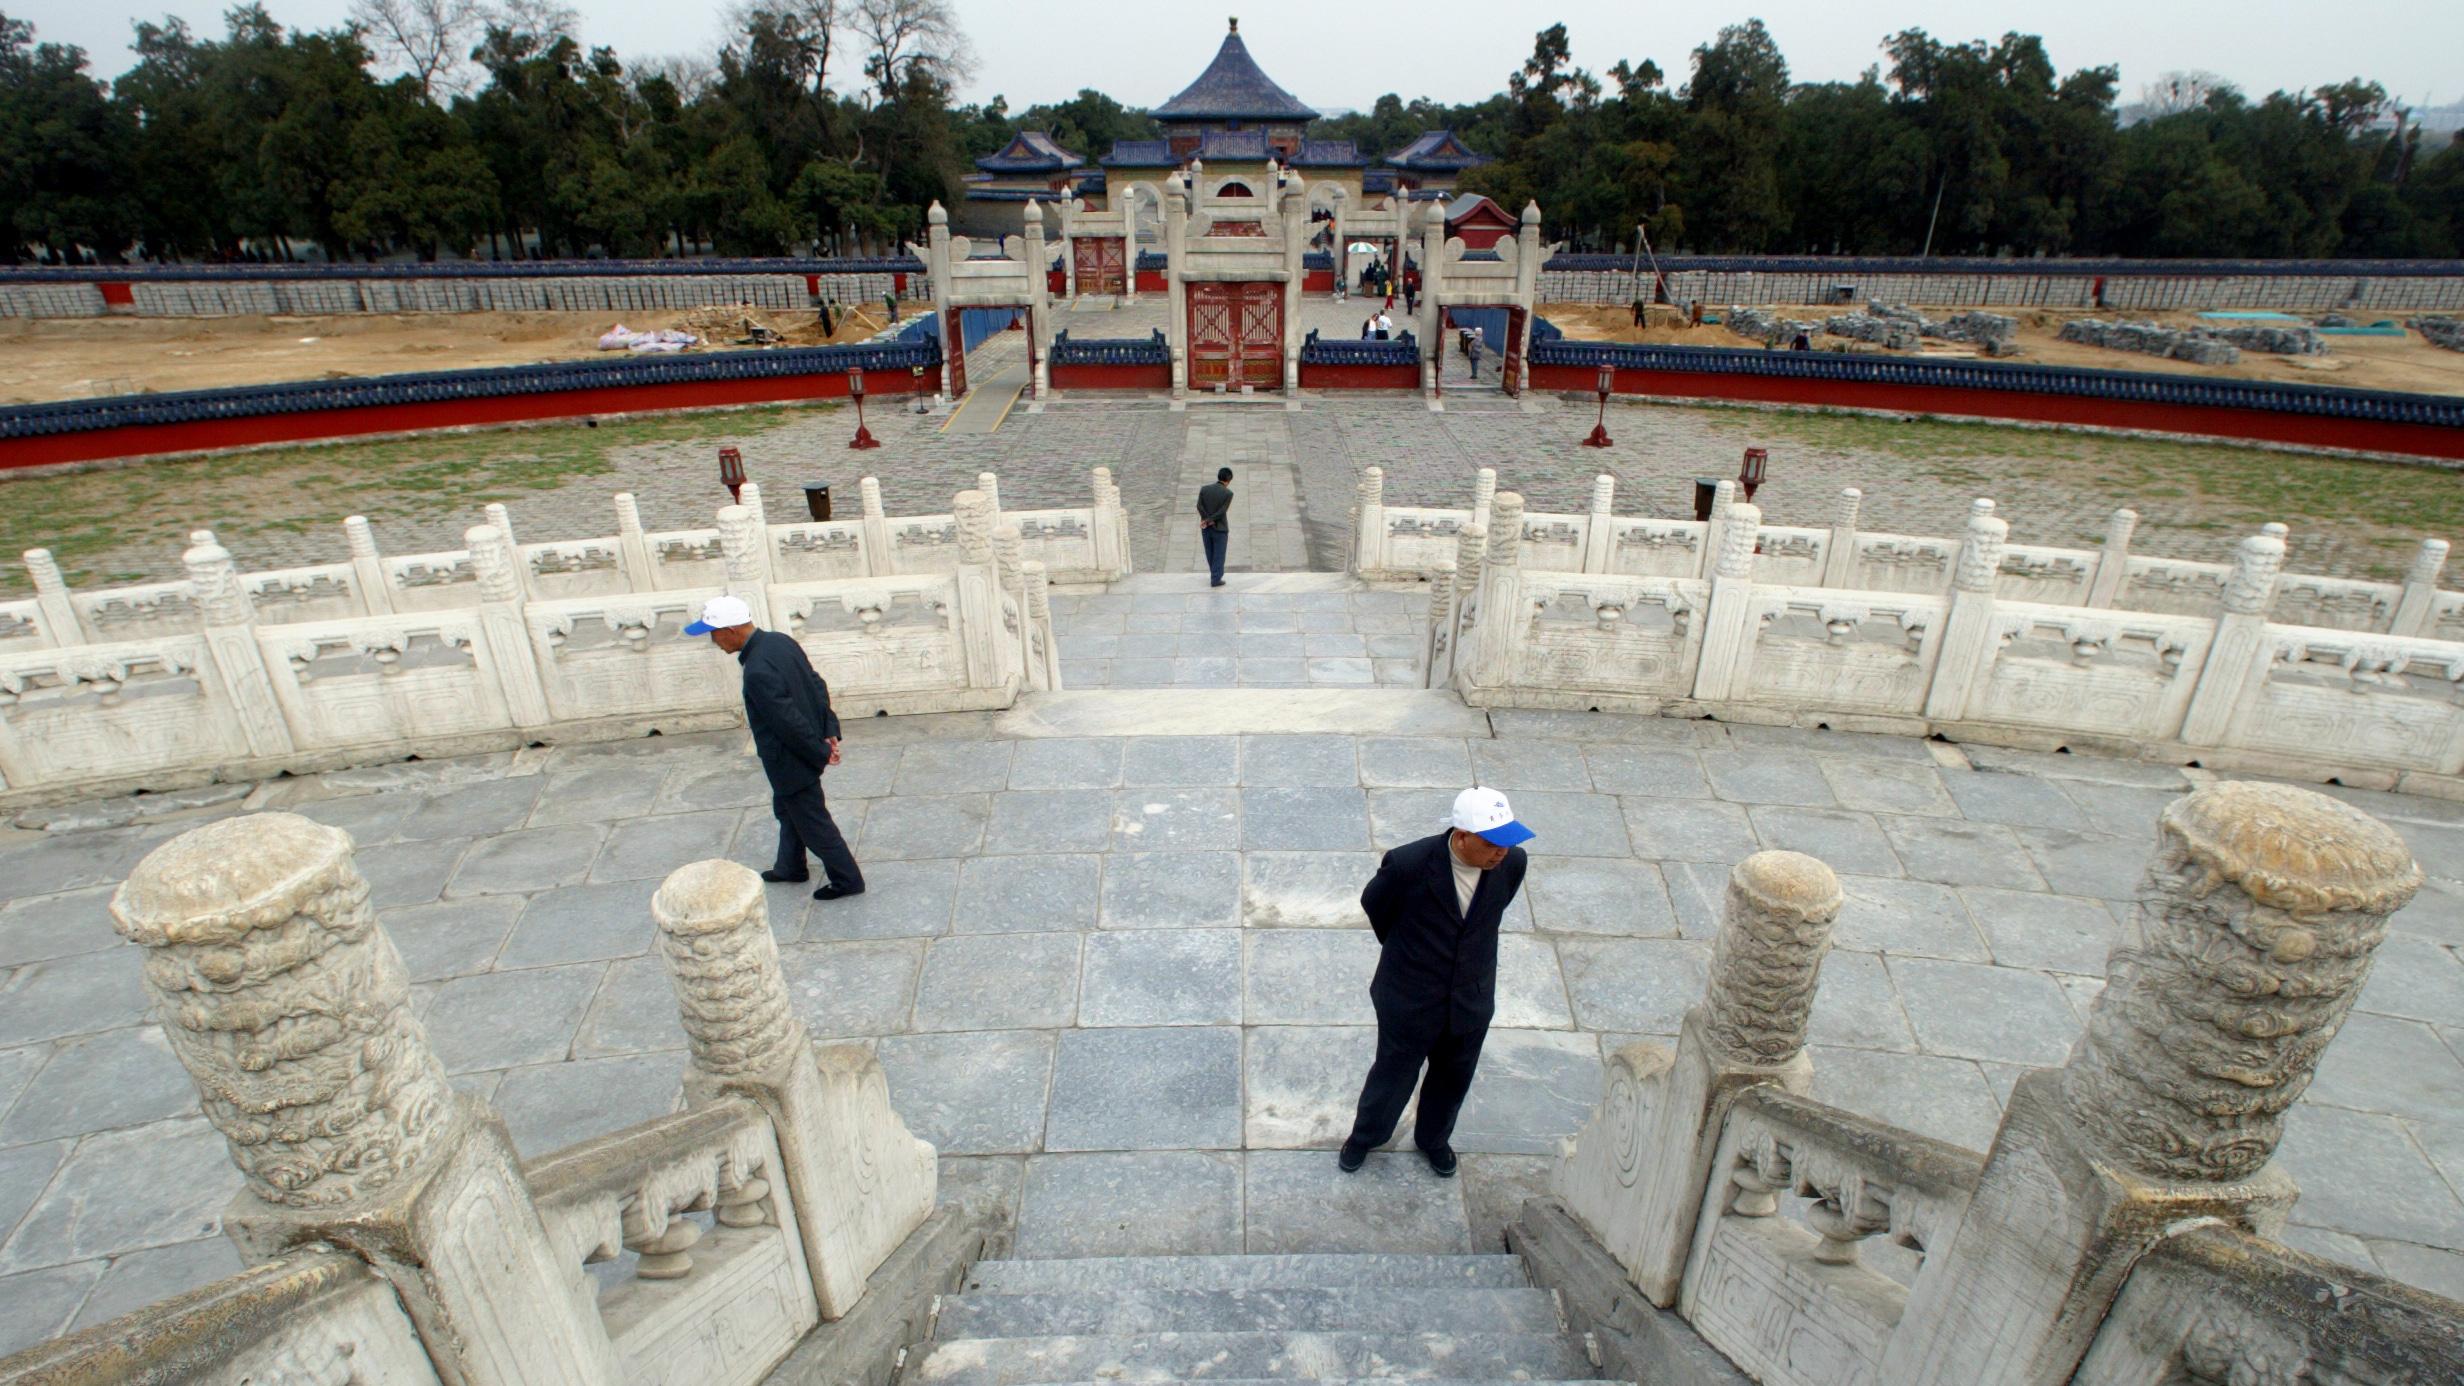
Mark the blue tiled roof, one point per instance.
(1436, 150)
(1328, 154)
(1232, 88)
(1140, 154)
(1012, 195)
(1031, 151)
(1091, 184)
(1233, 146)
(1378, 180)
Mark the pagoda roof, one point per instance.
(1140, 154)
(1328, 154)
(1232, 88)
(1436, 150)
(1474, 207)
(1233, 147)
(1029, 151)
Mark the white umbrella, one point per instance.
(1361, 248)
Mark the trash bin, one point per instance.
(1706, 490)
(817, 500)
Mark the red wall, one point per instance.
(1317, 281)
(2305, 430)
(1320, 377)
(1151, 281)
(150, 439)
(1104, 377)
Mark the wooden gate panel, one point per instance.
(1517, 330)
(1102, 265)
(1236, 335)
(954, 353)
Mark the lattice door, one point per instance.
(1101, 265)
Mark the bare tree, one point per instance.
(430, 37)
(693, 75)
(2175, 92)
(806, 30)
(900, 35)
(544, 20)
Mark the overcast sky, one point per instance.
(1333, 54)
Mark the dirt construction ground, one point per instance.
(2361, 363)
(77, 358)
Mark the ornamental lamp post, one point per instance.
(855, 390)
(1606, 385)
(1750, 472)
(731, 473)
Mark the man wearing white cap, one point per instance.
(787, 706)
(1435, 905)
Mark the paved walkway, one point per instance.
(1259, 630)
(1112, 962)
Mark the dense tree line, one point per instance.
(829, 125)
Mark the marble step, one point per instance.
(1107, 1273)
(1288, 1309)
(1233, 711)
(1235, 583)
(1255, 1356)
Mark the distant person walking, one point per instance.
(1641, 310)
(1472, 343)
(1435, 906)
(1215, 523)
(787, 706)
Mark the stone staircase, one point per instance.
(1231, 1319)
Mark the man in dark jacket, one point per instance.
(1215, 523)
(1435, 905)
(788, 708)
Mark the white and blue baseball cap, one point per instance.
(1484, 811)
(720, 613)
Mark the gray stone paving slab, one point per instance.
(1171, 890)
(125, 1190)
(1697, 890)
(1534, 1088)
(998, 982)
(1141, 1203)
(2126, 810)
(1846, 841)
(987, 1181)
(1826, 743)
(2360, 1174)
(931, 825)
(1397, 816)
(582, 924)
(1977, 1012)
(1304, 820)
(1414, 762)
(534, 859)
(1633, 985)
(1174, 819)
(1495, 1188)
(2383, 1064)
(506, 1019)
(42, 1303)
(17, 1068)
(1067, 762)
(1767, 777)
(1703, 830)
(1947, 1099)
(142, 1277)
(634, 1012)
(1049, 820)
(978, 1093)
(901, 899)
(1146, 1089)
(1856, 1006)
(57, 926)
(2414, 977)
(2439, 1272)
(71, 996)
(70, 861)
(1301, 1085)
(1298, 1201)
(1530, 765)
(2017, 800)
(1531, 990)
(2437, 911)
(1959, 853)
(602, 794)
(1882, 914)
(117, 1078)
(1650, 772)
(409, 873)
(452, 937)
(1297, 761)
(1028, 894)
(2342, 1248)
(25, 1171)
(1568, 824)
(483, 809)
(725, 786)
(1318, 890)
(552, 1106)
(853, 990)
(1598, 895)
(953, 767)
(2076, 863)
(2053, 933)
(1161, 977)
(1881, 786)
(1310, 977)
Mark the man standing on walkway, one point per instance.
(788, 708)
(1215, 522)
(1435, 905)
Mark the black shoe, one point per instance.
(779, 878)
(834, 893)
(1216, 583)
(1351, 1157)
(1442, 1161)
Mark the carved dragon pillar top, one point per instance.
(714, 930)
(1774, 930)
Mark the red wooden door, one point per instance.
(954, 354)
(1517, 328)
(1101, 265)
(1236, 335)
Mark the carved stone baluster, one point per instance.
(2258, 915)
(633, 546)
(1723, 500)
(1044, 647)
(858, 1182)
(1434, 641)
(990, 485)
(745, 550)
(230, 623)
(1369, 524)
(495, 563)
(1104, 529)
(1484, 491)
(879, 558)
(744, 1200)
(61, 626)
(2419, 604)
(1967, 643)
(749, 496)
(1600, 532)
(2113, 561)
(666, 1252)
(1728, 625)
(1471, 548)
(1502, 621)
(1839, 555)
(376, 592)
(289, 1007)
(2236, 659)
(1640, 1169)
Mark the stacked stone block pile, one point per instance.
(2152, 339)
(2440, 331)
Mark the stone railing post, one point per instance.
(500, 517)
(1432, 292)
(1043, 649)
(500, 622)
(376, 592)
(1637, 1172)
(1471, 551)
(229, 621)
(1484, 490)
(1434, 640)
(1967, 632)
(1039, 307)
(1103, 525)
(2113, 561)
(289, 1007)
(2236, 661)
(858, 1181)
(1839, 554)
(1723, 500)
(744, 547)
(1291, 204)
(749, 496)
(633, 546)
(1728, 626)
(979, 606)
(1501, 616)
(879, 558)
(1369, 523)
(2419, 603)
(1010, 576)
(61, 628)
(1176, 264)
(1599, 529)
(990, 484)
(2258, 916)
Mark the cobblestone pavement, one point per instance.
(1117, 972)
(1164, 633)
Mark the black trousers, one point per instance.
(805, 826)
(1217, 541)
(1452, 1057)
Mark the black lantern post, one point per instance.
(855, 390)
(1750, 472)
(1599, 430)
(731, 473)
